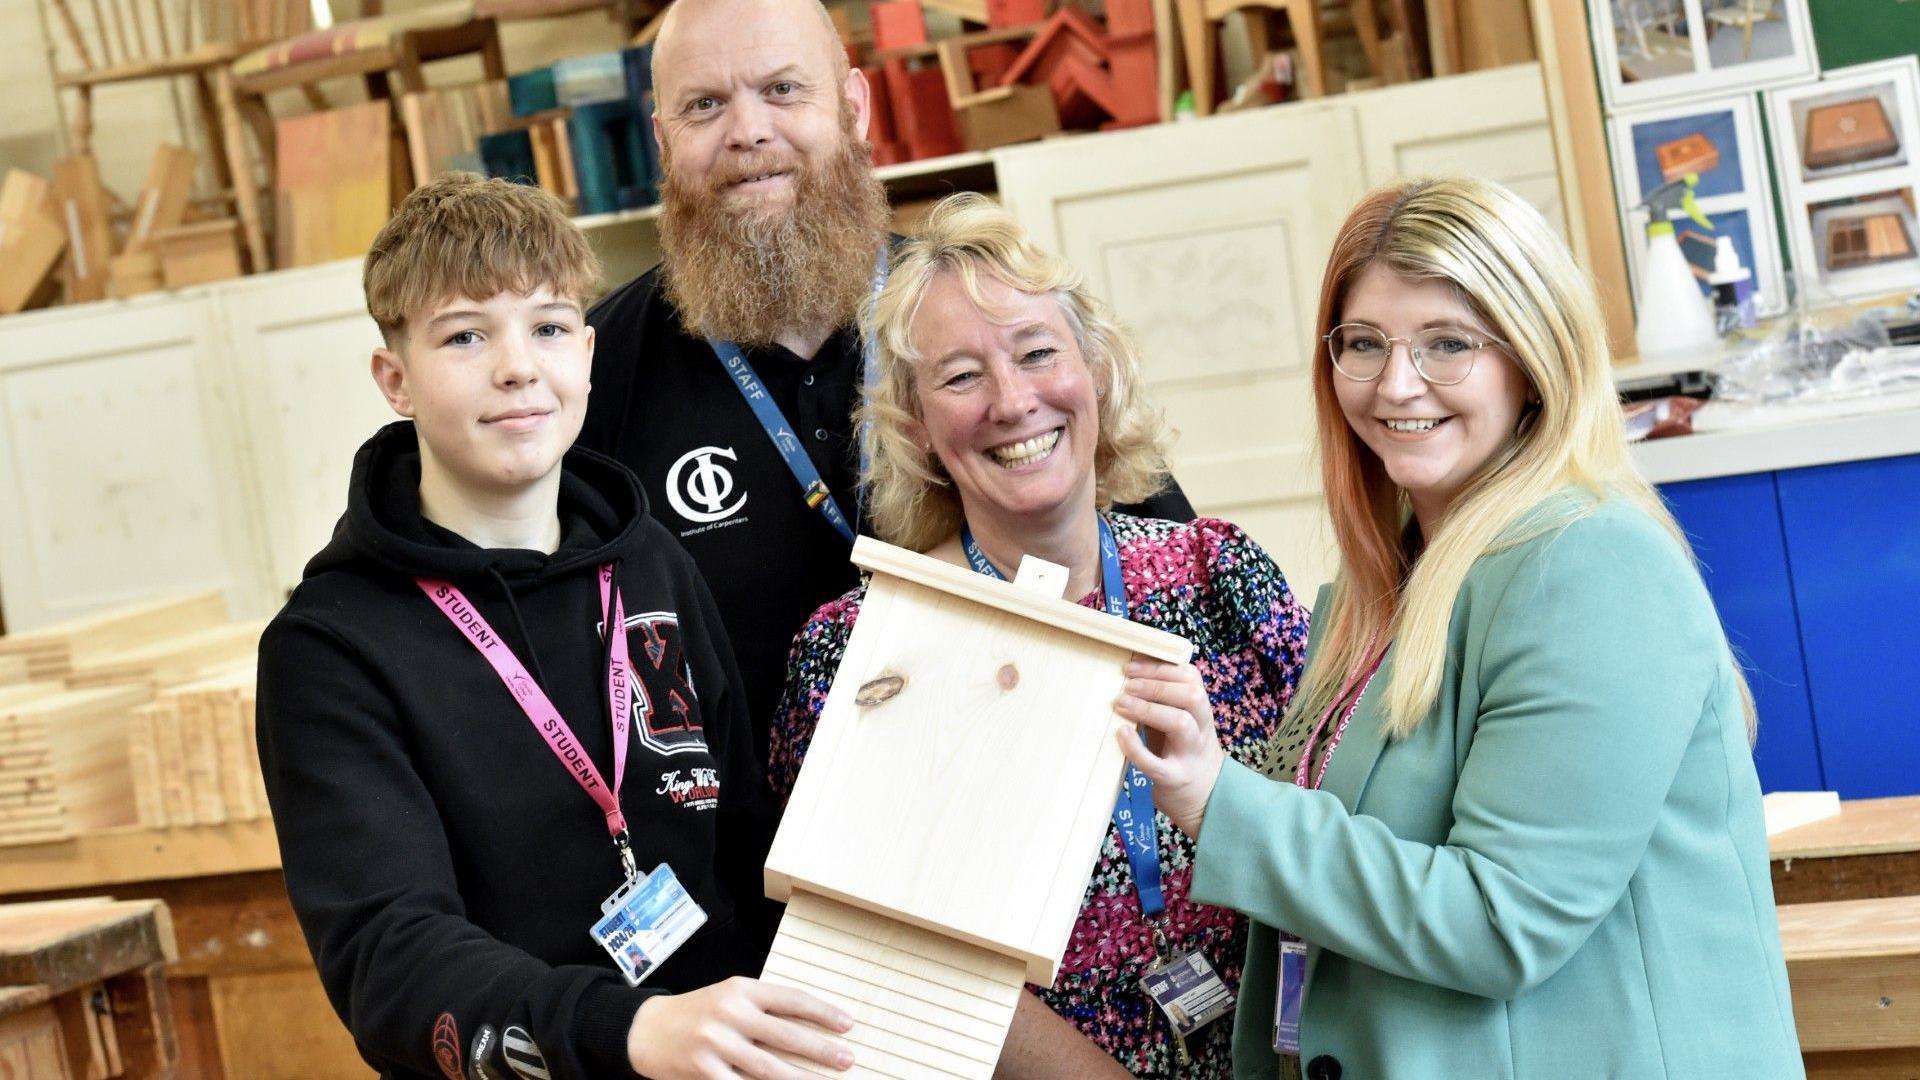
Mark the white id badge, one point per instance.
(644, 921)
(1286, 1003)
(1188, 991)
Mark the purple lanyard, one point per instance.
(540, 709)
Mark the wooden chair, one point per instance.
(124, 41)
(1744, 14)
(1200, 31)
(381, 49)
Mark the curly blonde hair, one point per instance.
(910, 500)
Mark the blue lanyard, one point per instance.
(812, 487)
(1133, 810)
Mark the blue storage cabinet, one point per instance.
(1854, 533)
(1734, 523)
(1816, 573)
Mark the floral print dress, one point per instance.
(1208, 582)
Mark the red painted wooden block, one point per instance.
(1004, 13)
(922, 112)
(880, 127)
(898, 24)
(1069, 33)
(1128, 17)
(1083, 92)
(1136, 87)
(990, 62)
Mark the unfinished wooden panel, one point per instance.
(981, 716)
(191, 753)
(922, 1004)
(444, 125)
(1854, 966)
(196, 254)
(1490, 124)
(80, 205)
(30, 1042)
(51, 651)
(31, 239)
(173, 660)
(162, 203)
(250, 1016)
(333, 183)
(301, 341)
(1210, 240)
(122, 476)
(64, 766)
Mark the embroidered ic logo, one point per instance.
(699, 489)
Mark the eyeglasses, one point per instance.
(1443, 355)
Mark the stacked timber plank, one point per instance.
(54, 651)
(192, 753)
(78, 752)
(63, 763)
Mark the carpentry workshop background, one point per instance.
(187, 188)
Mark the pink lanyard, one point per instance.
(539, 708)
(1361, 679)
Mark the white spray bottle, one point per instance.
(1673, 316)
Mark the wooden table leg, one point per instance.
(1197, 34)
(246, 195)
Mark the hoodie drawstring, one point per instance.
(520, 624)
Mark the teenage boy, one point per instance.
(462, 765)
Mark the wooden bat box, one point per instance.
(940, 836)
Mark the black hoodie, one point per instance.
(444, 865)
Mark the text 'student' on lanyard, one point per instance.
(1133, 810)
(812, 487)
(1345, 703)
(540, 710)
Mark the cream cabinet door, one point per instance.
(301, 345)
(1491, 124)
(1209, 239)
(119, 477)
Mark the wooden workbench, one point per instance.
(1872, 849)
(246, 1001)
(83, 990)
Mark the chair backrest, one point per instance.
(112, 34)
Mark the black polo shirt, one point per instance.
(663, 406)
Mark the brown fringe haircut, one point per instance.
(462, 235)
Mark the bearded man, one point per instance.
(727, 376)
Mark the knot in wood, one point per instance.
(1009, 676)
(878, 691)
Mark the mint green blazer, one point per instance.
(1561, 873)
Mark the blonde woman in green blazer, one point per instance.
(1512, 817)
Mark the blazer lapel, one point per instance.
(1359, 749)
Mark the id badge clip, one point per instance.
(645, 921)
(1286, 1003)
(1187, 990)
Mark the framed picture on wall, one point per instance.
(1719, 141)
(1648, 51)
(1855, 120)
(1847, 152)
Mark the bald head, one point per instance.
(697, 28)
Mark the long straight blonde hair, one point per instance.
(1520, 280)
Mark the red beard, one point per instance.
(754, 272)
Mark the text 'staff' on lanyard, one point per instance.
(812, 487)
(540, 710)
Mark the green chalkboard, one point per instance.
(1858, 31)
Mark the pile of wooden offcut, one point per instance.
(70, 696)
(192, 754)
